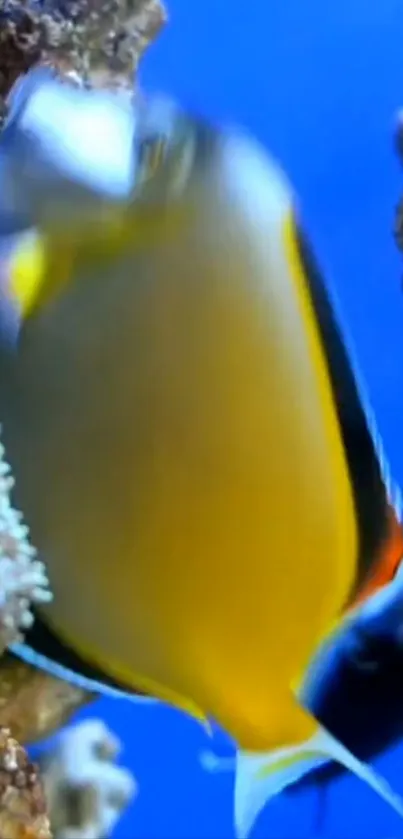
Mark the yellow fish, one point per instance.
(172, 423)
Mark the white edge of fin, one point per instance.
(261, 777)
(45, 664)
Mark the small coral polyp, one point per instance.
(23, 579)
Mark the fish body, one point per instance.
(174, 459)
(178, 367)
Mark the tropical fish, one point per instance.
(178, 367)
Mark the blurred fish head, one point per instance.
(69, 155)
(73, 160)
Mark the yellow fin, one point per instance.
(258, 777)
(27, 270)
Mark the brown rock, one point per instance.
(398, 222)
(99, 41)
(23, 812)
(32, 704)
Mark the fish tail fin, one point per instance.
(260, 777)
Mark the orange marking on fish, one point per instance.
(390, 557)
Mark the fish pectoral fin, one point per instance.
(260, 777)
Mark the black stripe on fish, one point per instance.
(355, 688)
(366, 477)
(43, 641)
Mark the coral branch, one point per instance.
(23, 580)
(86, 791)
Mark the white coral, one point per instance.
(85, 790)
(23, 580)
